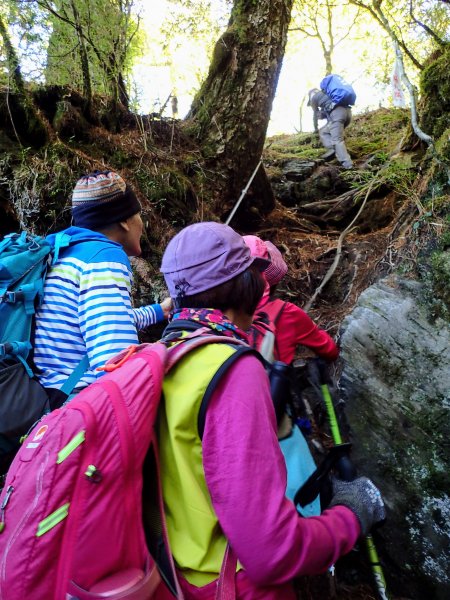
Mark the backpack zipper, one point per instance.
(81, 488)
(16, 534)
(131, 509)
(9, 491)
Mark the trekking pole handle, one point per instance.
(346, 469)
(324, 372)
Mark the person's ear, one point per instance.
(124, 225)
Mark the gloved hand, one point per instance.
(362, 497)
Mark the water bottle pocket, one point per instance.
(129, 584)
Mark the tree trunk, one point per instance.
(26, 121)
(12, 59)
(328, 63)
(231, 112)
(84, 60)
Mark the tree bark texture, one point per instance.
(25, 119)
(84, 60)
(231, 112)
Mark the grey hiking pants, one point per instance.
(332, 134)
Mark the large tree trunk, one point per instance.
(231, 112)
(26, 121)
(84, 59)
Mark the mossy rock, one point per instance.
(440, 283)
(69, 121)
(435, 92)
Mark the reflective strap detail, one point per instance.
(53, 519)
(71, 446)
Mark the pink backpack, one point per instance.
(71, 525)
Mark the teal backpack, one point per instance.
(24, 262)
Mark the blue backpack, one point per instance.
(336, 88)
(24, 261)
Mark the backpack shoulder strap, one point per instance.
(62, 240)
(181, 325)
(274, 309)
(215, 381)
(199, 337)
(71, 382)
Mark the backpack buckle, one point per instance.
(122, 358)
(12, 297)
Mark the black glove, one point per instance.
(363, 498)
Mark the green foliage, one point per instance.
(328, 22)
(418, 32)
(109, 31)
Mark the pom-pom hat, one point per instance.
(101, 199)
(204, 255)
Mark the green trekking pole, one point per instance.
(345, 468)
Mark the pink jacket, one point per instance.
(246, 478)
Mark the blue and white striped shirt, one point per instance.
(87, 309)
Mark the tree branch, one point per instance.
(412, 94)
(380, 17)
(430, 32)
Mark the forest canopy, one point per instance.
(140, 53)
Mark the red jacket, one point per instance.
(294, 327)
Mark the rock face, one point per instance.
(396, 384)
(303, 181)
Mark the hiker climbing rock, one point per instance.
(292, 326)
(86, 310)
(223, 474)
(333, 102)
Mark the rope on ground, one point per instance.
(337, 256)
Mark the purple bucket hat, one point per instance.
(204, 255)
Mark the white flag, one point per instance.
(396, 86)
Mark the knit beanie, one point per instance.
(101, 199)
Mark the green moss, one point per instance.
(440, 277)
(435, 92)
(169, 191)
(378, 131)
(443, 145)
(375, 133)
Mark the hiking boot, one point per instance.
(347, 165)
(328, 155)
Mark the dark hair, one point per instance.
(242, 292)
